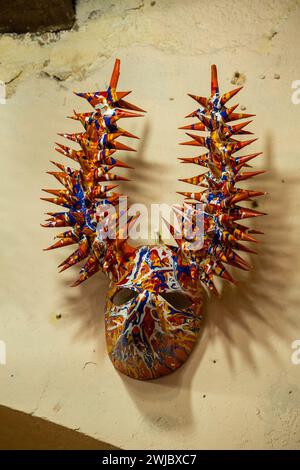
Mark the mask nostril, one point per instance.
(123, 295)
(177, 299)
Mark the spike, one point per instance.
(244, 213)
(242, 195)
(126, 105)
(231, 130)
(236, 116)
(239, 145)
(77, 256)
(115, 75)
(197, 180)
(249, 174)
(198, 126)
(240, 161)
(62, 242)
(119, 146)
(198, 141)
(86, 275)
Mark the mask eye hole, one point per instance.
(177, 299)
(123, 295)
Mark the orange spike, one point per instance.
(249, 174)
(244, 213)
(239, 145)
(198, 141)
(200, 99)
(60, 201)
(62, 242)
(229, 111)
(230, 130)
(227, 96)
(119, 146)
(236, 116)
(128, 134)
(110, 177)
(77, 256)
(198, 126)
(197, 180)
(188, 195)
(126, 105)
(59, 165)
(174, 233)
(115, 75)
(57, 192)
(86, 275)
(214, 80)
(246, 158)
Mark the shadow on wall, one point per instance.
(245, 315)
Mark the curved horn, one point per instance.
(90, 206)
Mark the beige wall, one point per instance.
(239, 389)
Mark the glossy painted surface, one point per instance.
(147, 337)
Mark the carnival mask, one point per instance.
(154, 304)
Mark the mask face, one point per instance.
(153, 313)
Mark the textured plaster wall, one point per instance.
(239, 389)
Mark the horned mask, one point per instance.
(153, 310)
